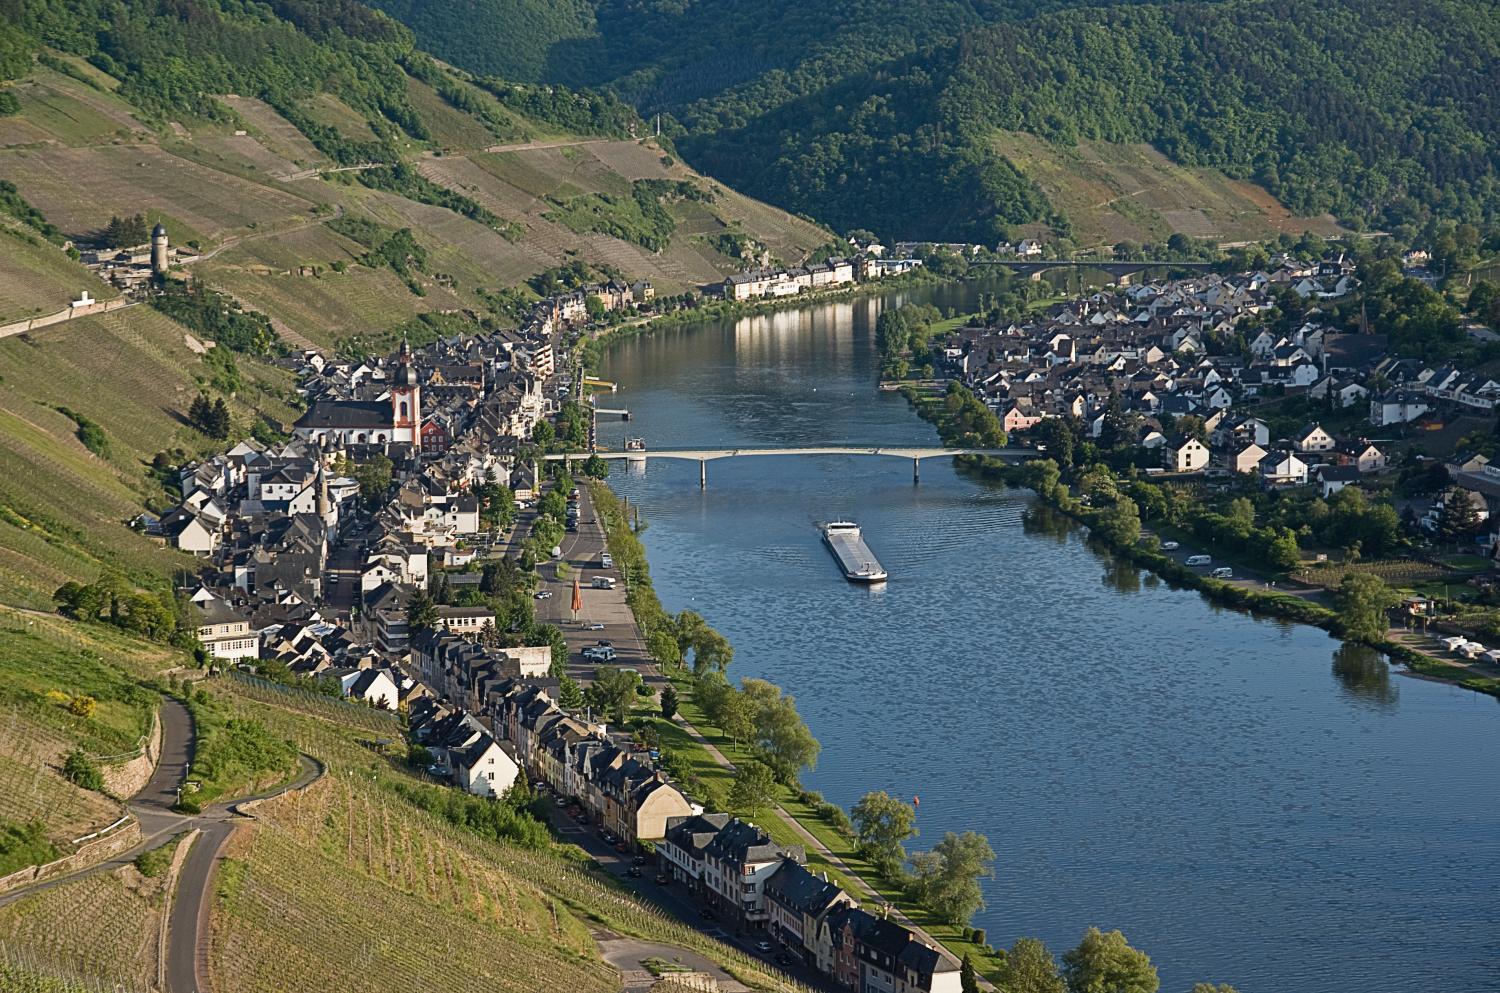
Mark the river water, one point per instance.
(1245, 800)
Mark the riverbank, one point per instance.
(704, 758)
(721, 310)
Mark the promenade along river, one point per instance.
(1246, 800)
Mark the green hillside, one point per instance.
(882, 114)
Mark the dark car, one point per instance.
(661, 879)
(638, 860)
(706, 914)
(634, 872)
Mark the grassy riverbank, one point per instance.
(801, 818)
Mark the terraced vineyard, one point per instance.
(106, 926)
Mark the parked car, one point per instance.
(638, 860)
(604, 643)
(1170, 546)
(544, 594)
(596, 626)
(1199, 559)
(763, 947)
(661, 879)
(606, 561)
(634, 872)
(1222, 572)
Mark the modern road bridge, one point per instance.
(703, 456)
(1035, 267)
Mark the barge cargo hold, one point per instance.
(854, 557)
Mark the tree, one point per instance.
(219, 424)
(735, 718)
(882, 823)
(374, 479)
(569, 693)
(1120, 523)
(1030, 968)
(1458, 521)
(968, 979)
(781, 739)
(754, 785)
(421, 613)
(669, 703)
(1362, 600)
(543, 434)
(127, 232)
(596, 468)
(1105, 963)
(947, 878)
(663, 648)
(1282, 552)
(613, 692)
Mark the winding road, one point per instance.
(187, 925)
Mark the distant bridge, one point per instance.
(1035, 267)
(705, 455)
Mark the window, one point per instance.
(404, 414)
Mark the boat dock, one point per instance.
(853, 555)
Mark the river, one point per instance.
(1245, 800)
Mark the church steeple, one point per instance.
(406, 400)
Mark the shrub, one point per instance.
(82, 705)
(81, 771)
(24, 844)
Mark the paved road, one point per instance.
(188, 929)
(187, 939)
(582, 550)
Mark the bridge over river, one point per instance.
(705, 455)
(1118, 269)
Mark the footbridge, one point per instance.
(703, 456)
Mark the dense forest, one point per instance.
(879, 114)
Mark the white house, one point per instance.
(487, 767)
(373, 686)
(1185, 455)
(1248, 459)
(1283, 469)
(1397, 407)
(1312, 438)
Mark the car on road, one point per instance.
(1222, 572)
(634, 872)
(783, 959)
(638, 860)
(764, 947)
(594, 653)
(661, 879)
(1170, 546)
(544, 594)
(706, 914)
(606, 561)
(595, 626)
(604, 643)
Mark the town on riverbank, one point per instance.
(409, 547)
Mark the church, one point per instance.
(370, 422)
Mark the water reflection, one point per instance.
(1042, 521)
(1365, 675)
(1122, 576)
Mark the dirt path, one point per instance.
(627, 954)
(528, 146)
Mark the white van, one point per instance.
(1222, 572)
(606, 561)
(1199, 559)
(602, 583)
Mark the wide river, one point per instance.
(1247, 802)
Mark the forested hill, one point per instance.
(882, 114)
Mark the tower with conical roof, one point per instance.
(159, 249)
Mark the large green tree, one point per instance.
(1029, 968)
(1104, 962)
(883, 824)
(946, 879)
(1362, 600)
(781, 738)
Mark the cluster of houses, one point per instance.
(134, 268)
(1142, 354)
(755, 284)
(489, 722)
(273, 523)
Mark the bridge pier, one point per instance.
(916, 471)
(703, 474)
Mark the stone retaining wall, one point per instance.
(126, 779)
(122, 839)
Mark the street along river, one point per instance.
(1249, 802)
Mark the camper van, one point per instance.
(602, 583)
(1222, 572)
(1199, 559)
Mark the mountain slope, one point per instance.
(1380, 111)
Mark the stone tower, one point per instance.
(159, 249)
